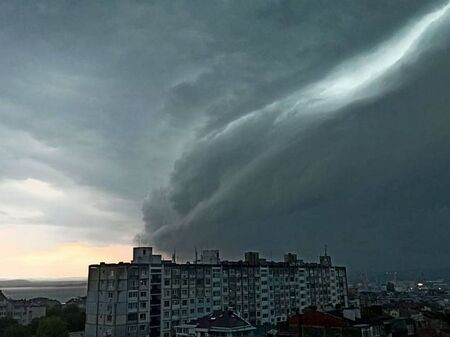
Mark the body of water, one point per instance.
(62, 294)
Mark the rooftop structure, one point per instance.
(225, 323)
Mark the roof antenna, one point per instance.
(196, 256)
(139, 240)
(326, 250)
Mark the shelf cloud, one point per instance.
(328, 163)
(270, 125)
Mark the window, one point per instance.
(142, 316)
(143, 294)
(365, 332)
(143, 305)
(132, 317)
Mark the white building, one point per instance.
(150, 297)
(124, 299)
(22, 311)
(3, 305)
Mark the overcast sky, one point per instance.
(269, 125)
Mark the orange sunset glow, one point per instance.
(65, 260)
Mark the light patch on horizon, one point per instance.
(60, 260)
(35, 187)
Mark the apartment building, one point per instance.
(151, 296)
(4, 303)
(23, 311)
(124, 299)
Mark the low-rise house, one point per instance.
(316, 323)
(344, 323)
(225, 323)
(434, 324)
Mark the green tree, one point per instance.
(5, 323)
(52, 327)
(17, 331)
(74, 317)
(55, 310)
(34, 325)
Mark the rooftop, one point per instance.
(221, 319)
(2, 296)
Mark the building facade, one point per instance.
(124, 299)
(23, 311)
(4, 303)
(151, 296)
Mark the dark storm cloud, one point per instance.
(193, 101)
(370, 181)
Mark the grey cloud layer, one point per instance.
(350, 181)
(123, 98)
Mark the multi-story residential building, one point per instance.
(124, 299)
(327, 284)
(22, 311)
(150, 296)
(3, 305)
